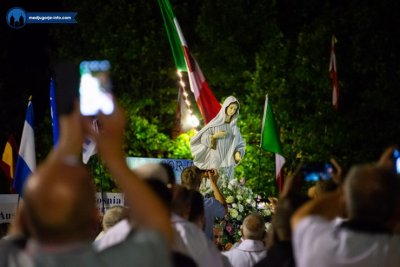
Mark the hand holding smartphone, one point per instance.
(92, 87)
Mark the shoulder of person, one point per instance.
(11, 247)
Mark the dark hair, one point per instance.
(197, 205)
(170, 172)
(181, 200)
(161, 190)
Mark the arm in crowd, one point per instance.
(213, 177)
(329, 206)
(144, 206)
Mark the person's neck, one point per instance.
(228, 119)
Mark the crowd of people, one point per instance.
(351, 222)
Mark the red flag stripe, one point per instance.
(205, 99)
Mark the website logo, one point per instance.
(17, 17)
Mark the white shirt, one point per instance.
(318, 242)
(114, 235)
(246, 254)
(121, 230)
(201, 249)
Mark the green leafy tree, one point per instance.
(249, 49)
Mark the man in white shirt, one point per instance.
(251, 249)
(370, 194)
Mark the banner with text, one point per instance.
(177, 164)
(8, 207)
(104, 201)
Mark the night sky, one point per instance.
(24, 57)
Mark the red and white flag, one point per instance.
(333, 75)
(205, 99)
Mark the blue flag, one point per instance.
(53, 111)
(26, 162)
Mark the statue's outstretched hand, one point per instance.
(237, 156)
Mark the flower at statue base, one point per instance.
(229, 199)
(241, 201)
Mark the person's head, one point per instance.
(188, 204)
(191, 177)
(170, 173)
(232, 108)
(181, 201)
(253, 227)
(60, 203)
(371, 193)
(161, 190)
(159, 177)
(114, 215)
(154, 170)
(217, 236)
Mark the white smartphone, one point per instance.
(95, 88)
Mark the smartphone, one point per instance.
(316, 171)
(95, 88)
(396, 160)
(66, 85)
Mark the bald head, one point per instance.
(60, 202)
(371, 193)
(253, 227)
(114, 215)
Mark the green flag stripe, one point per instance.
(270, 134)
(173, 36)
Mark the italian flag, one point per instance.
(184, 61)
(270, 142)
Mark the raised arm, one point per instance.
(213, 177)
(329, 206)
(146, 209)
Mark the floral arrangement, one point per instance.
(241, 201)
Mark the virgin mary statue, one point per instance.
(219, 145)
